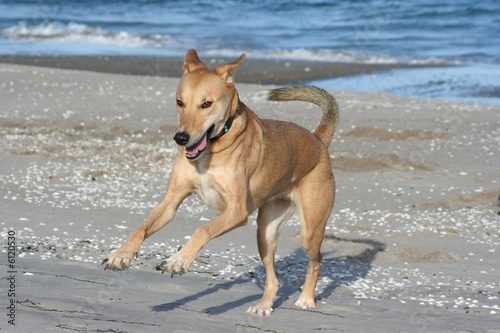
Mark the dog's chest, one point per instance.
(209, 191)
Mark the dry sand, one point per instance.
(412, 244)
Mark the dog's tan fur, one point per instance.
(274, 166)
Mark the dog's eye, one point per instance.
(206, 105)
(180, 103)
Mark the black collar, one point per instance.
(225, 129)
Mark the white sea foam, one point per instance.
(327, 56)
(78, 32)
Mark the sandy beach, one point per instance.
(412, 244)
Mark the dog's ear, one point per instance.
(226, 71)
(192, 62)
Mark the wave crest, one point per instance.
(78, 32)
(345, 56)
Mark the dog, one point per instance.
(236, 163)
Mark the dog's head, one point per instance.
(206, 99)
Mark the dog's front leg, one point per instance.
(232, 217)
(177, 191)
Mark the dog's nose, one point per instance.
(181, 138)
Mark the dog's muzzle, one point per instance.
(197, 149)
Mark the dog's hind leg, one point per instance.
(270, 220)
(314, 201)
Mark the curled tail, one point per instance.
(330, 120)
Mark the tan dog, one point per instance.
(237, 163)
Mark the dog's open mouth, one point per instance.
(196, 150)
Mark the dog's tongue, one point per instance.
(198, 146)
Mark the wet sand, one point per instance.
(411, 246)
(260, 71)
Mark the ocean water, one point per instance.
(458, 39)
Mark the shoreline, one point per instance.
(257, 71)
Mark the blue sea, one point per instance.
(458, 39)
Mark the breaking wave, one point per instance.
(78, 32)
(83, 33)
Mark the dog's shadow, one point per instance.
(340, 267)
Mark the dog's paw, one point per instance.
(177, 264)
(118, 261)
(305, 303)
(260, 311)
